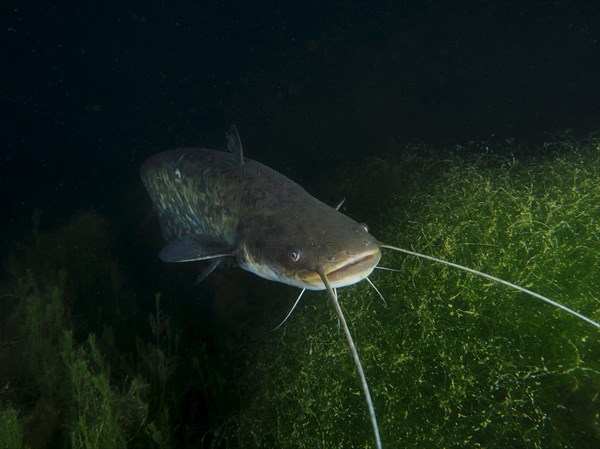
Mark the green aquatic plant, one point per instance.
(11, 431)
(454, 360)
(67, 392)
(32, 373)
(63, 387)
(99, 415)
(158, 360)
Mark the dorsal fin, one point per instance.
(234, 144)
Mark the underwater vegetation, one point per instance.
(78, 367)
(453, 360)
(93, 357)
(55, 391)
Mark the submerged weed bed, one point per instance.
(454, 360)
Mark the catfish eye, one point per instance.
(293, 254)
(364, 226)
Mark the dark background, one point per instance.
(89, 90)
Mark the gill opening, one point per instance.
(495, 279)
(361, 374)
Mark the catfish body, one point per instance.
(215, 204)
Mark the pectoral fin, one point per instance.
(195, 247)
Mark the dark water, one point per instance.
(89, 91)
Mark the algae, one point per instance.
(454, 360)
(65, 391)
(91, 359)
(86, 363)
(11, 432)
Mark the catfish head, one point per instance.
(294, 247)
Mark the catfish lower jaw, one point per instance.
(347, 274)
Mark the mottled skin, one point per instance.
(273, 227)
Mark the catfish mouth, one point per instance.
(353, 267)
(347, 273)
